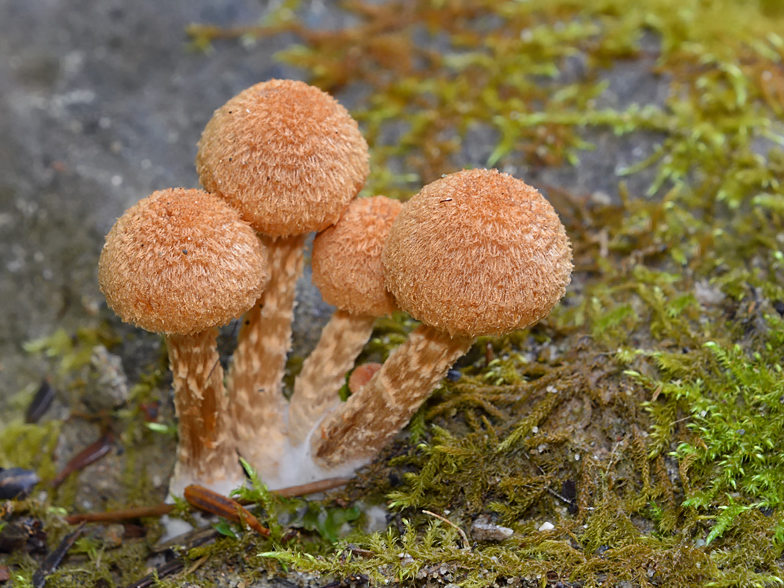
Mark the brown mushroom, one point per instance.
(347, 270)
(474, 253)
(361, 376)
(183, 262)
(290, 159)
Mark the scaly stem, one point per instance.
(324, 371)
(206, 452)
(357, 430)
(256, 374)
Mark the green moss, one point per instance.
(72, 351)
(30, 446)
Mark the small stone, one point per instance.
(547, 526)
(483, 530)
(107, 384)
(707, 294)
(601, 198)
(17, 483)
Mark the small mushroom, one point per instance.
(347, 270)
(182, 262)
(475, 253)
(290, 159)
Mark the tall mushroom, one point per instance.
(183, 262)
(290, 159)
(475, 253)
(347, 270)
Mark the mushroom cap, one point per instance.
(346, 258)
(476, 253)
(286, 155)
(181, 261)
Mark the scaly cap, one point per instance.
(476, 253)
(346, 258)
(286, 155)
(181, 261)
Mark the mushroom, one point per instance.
(182, 262)
(290, 159)
(347, 269)
(474, 253)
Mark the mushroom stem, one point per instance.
(323, 372)
(358, 429)
(206, 450)
(256, 375)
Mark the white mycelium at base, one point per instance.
(296, 466)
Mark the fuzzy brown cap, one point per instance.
(346, 259)
(477, 253)
(181, 261)
(286, 155)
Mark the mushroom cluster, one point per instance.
(475, 253)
